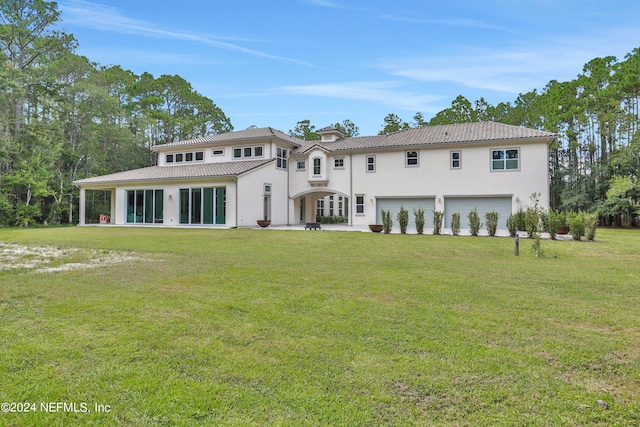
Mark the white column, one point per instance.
(82, 207)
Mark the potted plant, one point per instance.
(264, 223)
(376, 228)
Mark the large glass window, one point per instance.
(203, 205)
(144, 206)
(505, 159)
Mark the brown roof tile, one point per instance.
(436, 135)
(163, 173)
(243, 135)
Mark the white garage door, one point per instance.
(393, 205)
(464, 205)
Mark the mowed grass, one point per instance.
(294, 328)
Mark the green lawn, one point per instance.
(293, 328)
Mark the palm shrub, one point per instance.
(474, 222)
(419, 217)
(437, 221)
(403, 219)
(590, 223)
(576, 225)
(492, 222)
(387, 223)
(455, 224)
(512, 225)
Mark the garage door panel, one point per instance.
(394, 204)
(464, 205)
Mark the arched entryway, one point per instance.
(324, 205)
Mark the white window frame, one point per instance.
(247, 152)
(504, 159)
(167, 157)
(301, 165)
(452, 161)
(281, 158)
(372, 164)
(317, 167)
(336, 162)
(416, 158)
(217, 152)
(359, 204)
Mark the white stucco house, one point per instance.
(237, 178)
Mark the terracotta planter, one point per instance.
(562, 229)
(264, 223)
(376, 228)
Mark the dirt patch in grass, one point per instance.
(49, 259)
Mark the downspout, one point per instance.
(237, 192)
(288, 191)
(351, 189)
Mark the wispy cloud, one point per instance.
(107, 18)
(383, 93)
(325, 3)
(459, 22)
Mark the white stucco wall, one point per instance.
(433, 177)
(251, 191)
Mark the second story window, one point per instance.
(301, 165)
(411, 158)
(456, 160)
(317, 166)
(338, 162)
(281, 158)
(505, 159)
(371, 163)
(248, 152)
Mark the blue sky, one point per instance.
(274, 63)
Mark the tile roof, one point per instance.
(163, 173)
(243, 135)
(434, 135)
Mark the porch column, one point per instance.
(81, 219)
(113, 206)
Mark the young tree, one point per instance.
(393, 123)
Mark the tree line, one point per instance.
(64, 118)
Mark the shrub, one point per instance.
(26, 214)
(512, 225)
(455, 224)
(419, 217)
(403, 219)
(576, 225)
(474, 222)
(590, 222)
(387, 223)
(551, 221)
(492, 222)
(437, 221)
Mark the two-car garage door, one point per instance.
(464, 205)
(394, 204)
